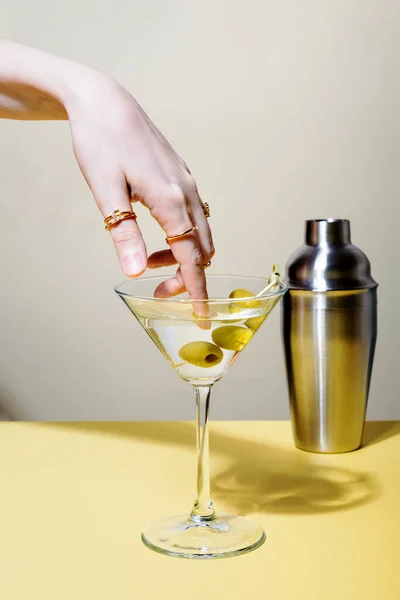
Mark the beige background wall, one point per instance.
(284, 111)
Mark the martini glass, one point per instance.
(201, 350)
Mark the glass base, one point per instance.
(221, 537)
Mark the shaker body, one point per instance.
(329, 343)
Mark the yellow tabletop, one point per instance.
(74, 498)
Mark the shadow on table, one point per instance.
(378, 431)
(258, 477)
(274, 480)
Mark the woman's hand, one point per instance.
(124, 159)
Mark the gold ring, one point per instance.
(207, 265)
(171, 238)
(117, 216)
(206, 210)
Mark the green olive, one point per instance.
(231, 337)
(255, 322)
(238, 306)
(201, 354)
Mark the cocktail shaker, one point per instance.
(329, 329)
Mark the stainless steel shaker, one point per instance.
(329, 327)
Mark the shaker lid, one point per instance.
(328, 260)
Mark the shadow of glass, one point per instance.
(377, 431)
(260, 477)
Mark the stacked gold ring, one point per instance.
(117, 216)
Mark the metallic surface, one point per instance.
(328, 260)
(329, 328)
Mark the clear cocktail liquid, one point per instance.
(202, 351)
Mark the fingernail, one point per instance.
(133, 264)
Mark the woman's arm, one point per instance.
(122, 155)
(34, 85)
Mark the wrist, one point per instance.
(80, 87)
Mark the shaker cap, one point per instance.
(328, 260)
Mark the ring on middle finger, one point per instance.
(172, 238)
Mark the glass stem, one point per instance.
(203, 509)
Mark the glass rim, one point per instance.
(282, 287)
